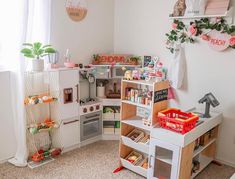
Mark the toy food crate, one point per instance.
(135, 135)
(176, 120)
(108, 116)
(137, 155)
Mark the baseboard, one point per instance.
(226, 163)
(71, 148)
(4, 161)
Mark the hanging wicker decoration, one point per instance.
(76, 9)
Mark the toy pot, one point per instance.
(37, 65)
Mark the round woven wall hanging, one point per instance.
(76, 9)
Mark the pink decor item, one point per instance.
(69, 64)
(232, 41)
(205, 37)
(219, 41)
(193, 30)
(174, 26)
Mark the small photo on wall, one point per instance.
(146, 61)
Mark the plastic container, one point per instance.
(176, 120)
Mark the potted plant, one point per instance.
(36, 51)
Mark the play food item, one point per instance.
(145, 165)
(38, 99)
(48, 124)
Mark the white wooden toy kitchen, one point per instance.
(79, 112)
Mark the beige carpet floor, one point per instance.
(95, 161)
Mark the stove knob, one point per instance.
(97, 107)
(84, 110)
(91, 108)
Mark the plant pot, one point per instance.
(37, 64)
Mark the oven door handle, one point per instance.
(90, 121)
(91, 117)
(70, 122)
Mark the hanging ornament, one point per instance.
(76, 9)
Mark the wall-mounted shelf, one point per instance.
(228, 13)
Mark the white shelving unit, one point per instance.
(183, 149)
(131, 121)
(228, 13)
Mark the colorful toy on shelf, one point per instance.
(136, 75)
(47, 125)
(39, 99)
(128, 75)
(41, 154)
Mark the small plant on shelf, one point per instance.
(36, 51)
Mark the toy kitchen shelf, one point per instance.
(173, 155)
(135, 135)
(38, 102)
(108, 80)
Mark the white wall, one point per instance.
(7, 137)
(92, 35)
(140, 28)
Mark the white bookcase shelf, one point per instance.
(228, 13)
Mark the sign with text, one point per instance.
(161, 95)
(76, 9)
(218, 41)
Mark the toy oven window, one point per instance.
(68, 95)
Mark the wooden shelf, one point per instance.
(204, 162)
(136, 122)
(202, 148)
(138, 146)
(116, 65)
(137, 104)
(228, 13)
(140, 82)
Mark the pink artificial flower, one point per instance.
(174, 25)
(218, 19)
(232, 41)
(193, 30)
(205, 37)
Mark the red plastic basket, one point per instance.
(176, 120)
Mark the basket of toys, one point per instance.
(176, 120)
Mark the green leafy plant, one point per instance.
(37, 50)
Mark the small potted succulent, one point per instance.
(36, 51)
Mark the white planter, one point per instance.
(37, 65)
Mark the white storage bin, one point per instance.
(108, 130)
(108, 116)
(117, 131)
(138, 169)
(138, 146)
(117, 116)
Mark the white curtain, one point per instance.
(21, 21)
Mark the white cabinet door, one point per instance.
(68, 83)
(163, 160)
(70, 133)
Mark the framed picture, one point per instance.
(146, 61)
